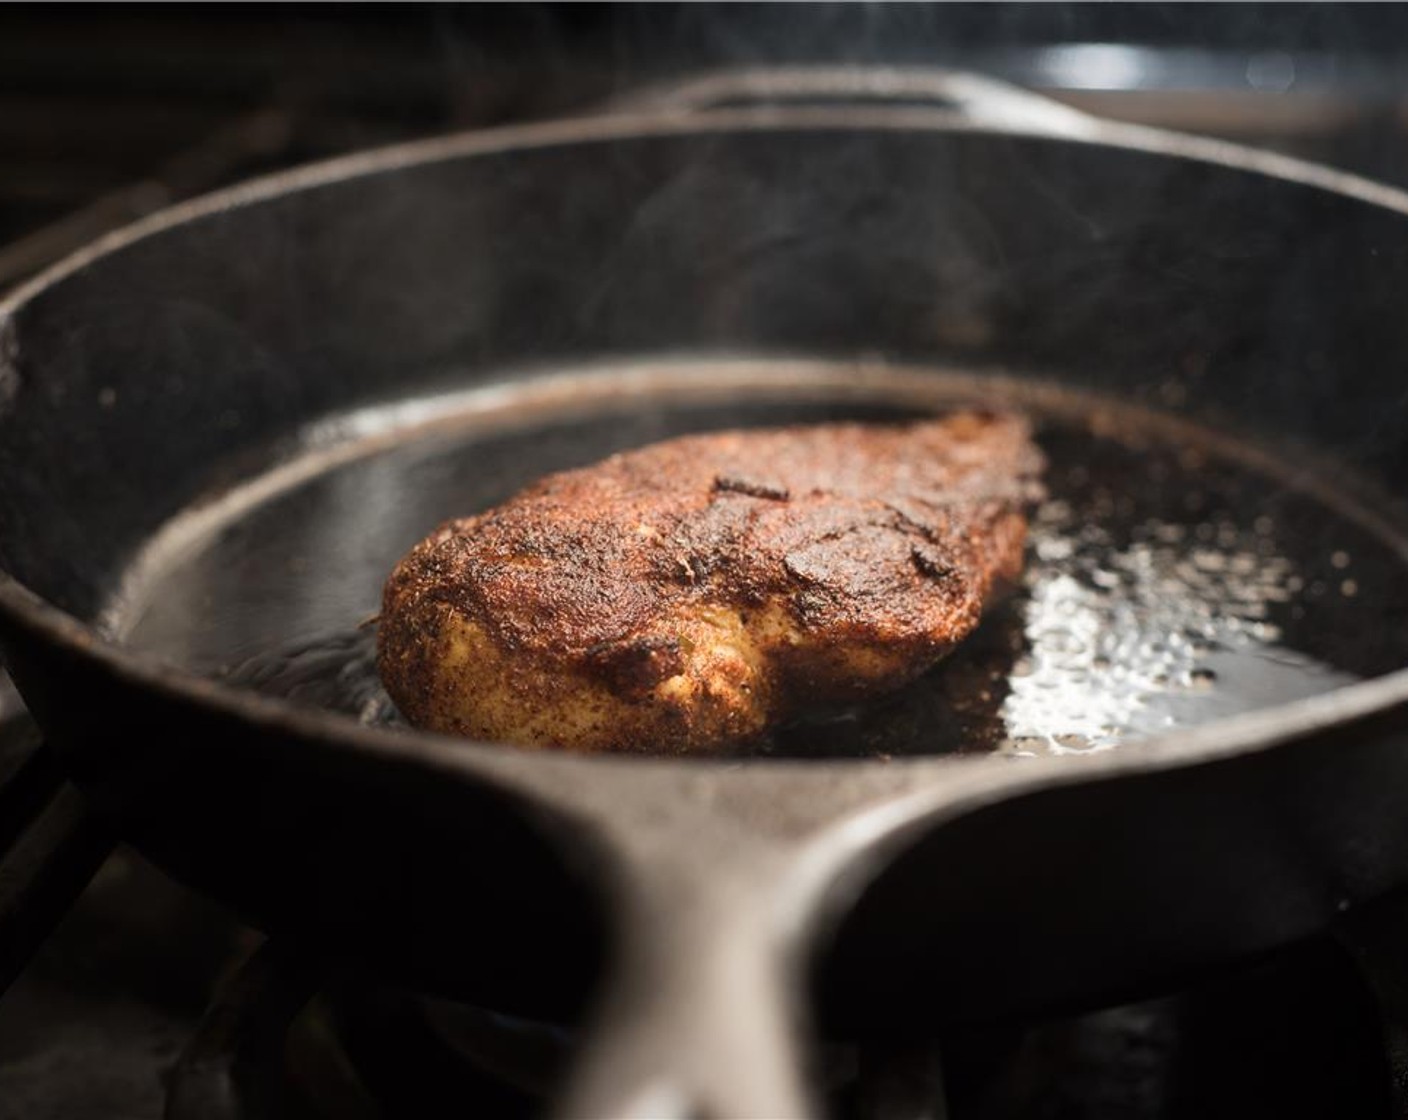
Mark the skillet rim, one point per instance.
(1224, 738)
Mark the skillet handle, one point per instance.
(979, 98)
(703, 1016)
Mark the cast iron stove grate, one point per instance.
(107, 1020)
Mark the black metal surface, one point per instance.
(1126, 1063)
(1223, 1048)
(45, 867)
(29, 775)
(1372, 936)
(420, 305)
(233, 1064)
(95, 1027)
(231, 331)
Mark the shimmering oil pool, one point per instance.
(1171, 578)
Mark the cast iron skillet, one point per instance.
(146, 375)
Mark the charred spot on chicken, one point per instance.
(688, 595)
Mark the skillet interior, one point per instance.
(1173, 577)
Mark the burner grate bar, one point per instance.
(230, 1068)
(56, 854)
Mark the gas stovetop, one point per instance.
(149, 1000)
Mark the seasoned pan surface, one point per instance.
(1173, 576)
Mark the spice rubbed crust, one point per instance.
(687, 595)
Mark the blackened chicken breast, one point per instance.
(688, 595)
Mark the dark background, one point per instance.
(108, 112)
